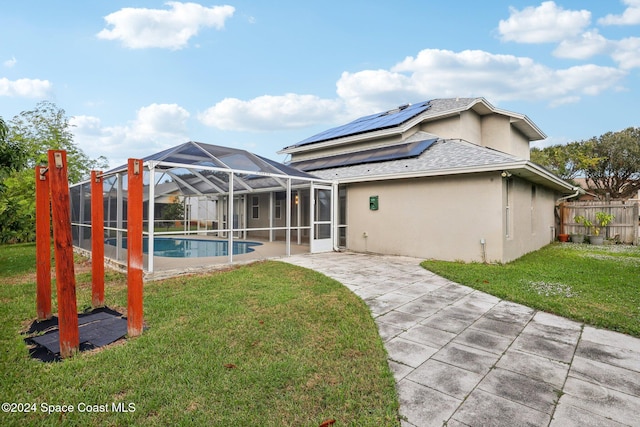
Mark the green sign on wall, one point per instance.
(373, 203)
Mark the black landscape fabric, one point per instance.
(96, 328)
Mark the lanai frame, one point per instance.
(208, 180)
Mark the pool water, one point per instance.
(191, 248)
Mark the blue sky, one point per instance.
(137, 77)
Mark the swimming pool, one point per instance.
(191, 248)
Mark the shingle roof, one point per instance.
(442, 155)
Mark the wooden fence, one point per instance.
(623, 228)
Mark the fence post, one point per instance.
(134, 248)
(636, 228)
(43, 245)
(63, 249)
(97, 240)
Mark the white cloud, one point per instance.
(368, 90)
(433, 73)
(155, 128)
(626, 53)
(442, 73)
(26, 88)
(587, 79)
(543, 24)
(587, 45)
(268, 112)
(631, 15)
(139, 28)
(9, 63)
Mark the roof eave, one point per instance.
(524, 169)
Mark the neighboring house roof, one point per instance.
(445, 157)
(404, 117)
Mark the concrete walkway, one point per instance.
(461, 357)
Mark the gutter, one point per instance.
(578, 191)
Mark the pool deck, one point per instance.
(164, 267)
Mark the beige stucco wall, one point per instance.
(532, 216)
(497, 133)
(446, 218)
(441, 218)
(448, 127)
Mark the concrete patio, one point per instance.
(461, 357)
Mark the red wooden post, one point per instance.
(134, 247)
(97, 240)
(43, 245)
(63, 249)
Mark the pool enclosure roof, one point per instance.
(196, 168)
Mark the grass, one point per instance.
(268, 344)
(597, 285)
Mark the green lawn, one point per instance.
(598, 285)
(267, 344)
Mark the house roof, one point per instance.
(404, 117)
(445, 157)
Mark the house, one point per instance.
(591, 192)
(447, 179)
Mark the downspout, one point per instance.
(578, 190)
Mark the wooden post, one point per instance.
(97, 240)
(563, 217)
(43, 245)
(63, 249)
(134, 248)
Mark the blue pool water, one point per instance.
(191, 248)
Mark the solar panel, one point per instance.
(370, 123)
(396, 152)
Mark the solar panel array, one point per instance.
(370, 123)
(395, 152)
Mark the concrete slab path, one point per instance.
(461, 357)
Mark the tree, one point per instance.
(615, 171)
(610, 163)
(12, 156)
(174, 210)
(15, 209)
(566, 161)
(24, 143)
(47, 128)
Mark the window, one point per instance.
(508, 209)
(255, 207)
(278, 208)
